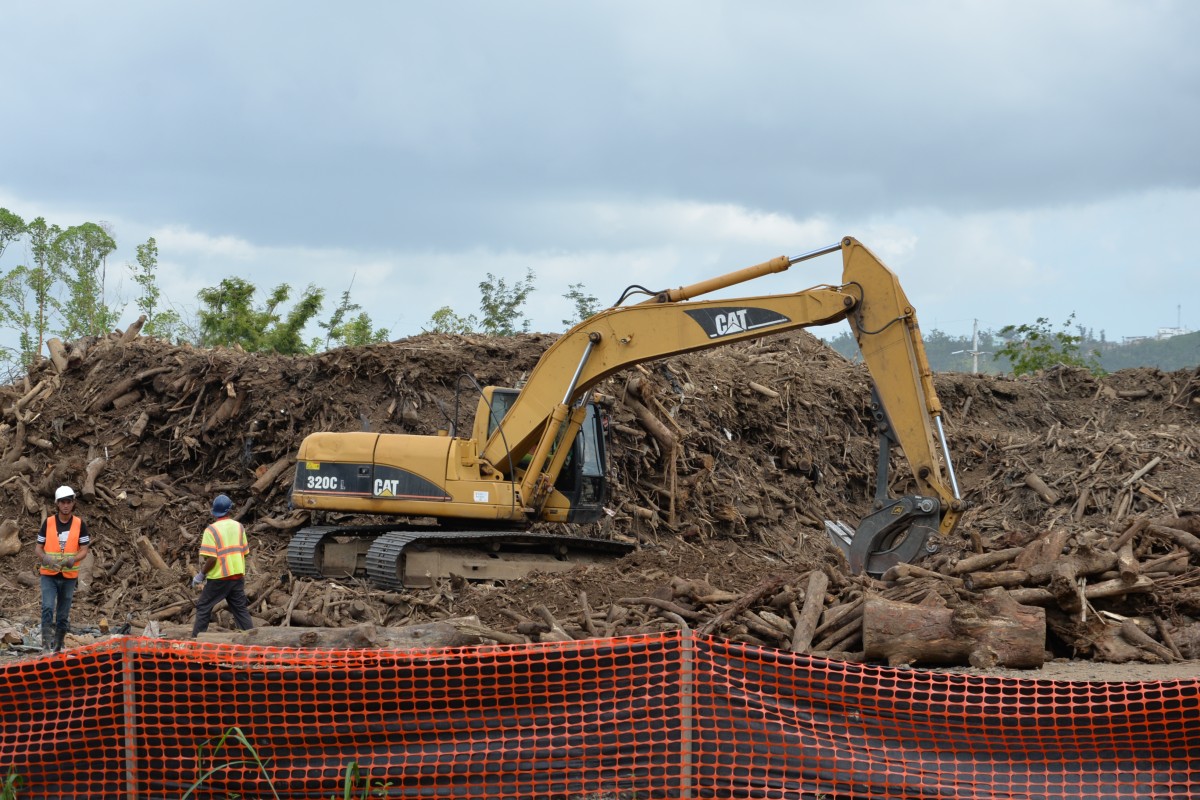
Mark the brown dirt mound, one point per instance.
(773, 438)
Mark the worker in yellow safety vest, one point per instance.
(222, 568)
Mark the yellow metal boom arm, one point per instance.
(671, 323)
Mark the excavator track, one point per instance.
(304, 553)
(399, 559)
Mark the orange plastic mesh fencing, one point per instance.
(661, 716)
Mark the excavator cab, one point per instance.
(583, 481)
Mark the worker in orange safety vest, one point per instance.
(222, 568)
(62, 542)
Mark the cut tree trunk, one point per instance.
(267, 479)
(151, 555)
(995, 631)
(430, 635)
(806, 618)
(94, 468)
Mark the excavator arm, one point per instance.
(907, 413)
(550, 407)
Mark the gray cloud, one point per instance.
(483, 127)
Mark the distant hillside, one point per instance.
(953, 353)
(1178, 352)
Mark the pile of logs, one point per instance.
(1081, 543)
(1132, 595)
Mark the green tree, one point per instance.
(228, 317)
(347, 329)
(586, 305)
(164, 324)
(285, 335)
(500, 310)
(500, 305)
(16, 315)
(444, 320)
(39, 280)
(13, 313)
(1033, 347)
(30, 294)
(12, 227)
(81, 252)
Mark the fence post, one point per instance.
(687, 692)
(127, 679)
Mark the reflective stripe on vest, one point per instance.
(52, 546)
(228, 548)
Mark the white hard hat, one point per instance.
(63, 493)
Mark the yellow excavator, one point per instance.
(463, 504)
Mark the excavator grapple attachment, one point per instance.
(898, 532)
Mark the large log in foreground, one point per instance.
(359, 637)
(994, 632)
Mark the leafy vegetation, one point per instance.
(207, 755)
(444, 320)
(500, 305)
(500, 310)
(229, 317)
(60, 290)
(357, 783)
(347, 329)
(163, 323)
(12, 782)
(586, 305)
(212, 752)
(81, 252)
(1030, 348)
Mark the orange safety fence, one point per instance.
(675, 715)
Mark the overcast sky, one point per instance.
(1009, 160)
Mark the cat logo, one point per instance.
(718, 321)
(733, 322)
(386, 488)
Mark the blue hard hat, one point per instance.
(221, 505)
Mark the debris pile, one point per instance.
(725, 464)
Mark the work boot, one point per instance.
(59, 635)
(47, 638)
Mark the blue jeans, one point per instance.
(57, 593)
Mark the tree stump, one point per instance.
(10, 537)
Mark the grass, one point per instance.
(12, 782)
(356, 783)
(210, 748)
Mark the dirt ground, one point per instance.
(770, 439)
